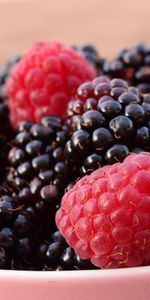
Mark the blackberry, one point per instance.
(107, 121)
(15, 241)
(56, 255)
(5, 259)
(6, 131)
(133, 65)
(6, 134)
(38, 172)
(29, 239)
(5, 71)
(92, 55)
(22, 236)
(37, 178)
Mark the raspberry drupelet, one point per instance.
(105, 217)
(44, 80)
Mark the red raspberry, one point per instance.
(44, 80)
(105, 217)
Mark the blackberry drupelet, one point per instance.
(107, 121)
(133, 65)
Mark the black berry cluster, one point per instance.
(133, 65)
(26, 241)
(18, 240)
(37, 178)
(107, 122)
(38, 171)
(21, 245)
(57, 255)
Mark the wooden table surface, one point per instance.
(108, 24)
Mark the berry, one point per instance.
(6, 131)
(38, 176)
(29, 239)
(16, 229)
(107, 121)
(105, 217)
(37, 179)
(91, 54)
(5, 72)
(25, 244)
(57, 255)
(5, 259)
(7, 237)
(43, 81)
(132, 65)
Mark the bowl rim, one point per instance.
(75, 274)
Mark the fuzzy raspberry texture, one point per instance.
(43, 82)
(105, 217)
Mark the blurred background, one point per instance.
(108, 24)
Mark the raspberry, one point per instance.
(44, 80)
(105, 217)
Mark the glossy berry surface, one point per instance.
(133, 65)
(105, 217)
(108, 121)
(44, 80)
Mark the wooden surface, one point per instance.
(109, 24)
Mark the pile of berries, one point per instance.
(74, 159)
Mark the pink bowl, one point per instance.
(118, 284)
